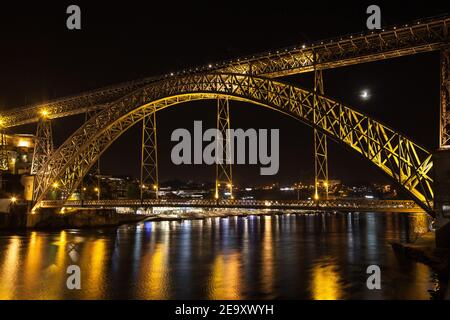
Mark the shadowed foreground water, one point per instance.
(317, 256)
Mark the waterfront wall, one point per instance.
(53, 219)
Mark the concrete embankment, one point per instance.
(81, 218)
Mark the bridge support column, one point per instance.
(93, 176)
(441, 164)
(149, 155)
(223, 166)
(43, 146)
(441, 161)
(4, 161)
(320, 143)
(444, 130)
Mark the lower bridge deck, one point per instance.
(361, 205)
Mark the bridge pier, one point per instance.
(441, 164)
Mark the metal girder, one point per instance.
(224, 174)
(408, 206)
(392, 42)
(90, 101)
(43, 145)
(320, 143)
(149, 154)
(404, 161)
(416, 37)
(444, 132)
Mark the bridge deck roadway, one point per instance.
(339, 205)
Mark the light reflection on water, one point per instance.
(320, 256)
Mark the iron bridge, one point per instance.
(111, 111)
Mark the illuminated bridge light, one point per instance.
(44, 113)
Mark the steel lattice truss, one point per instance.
(149, 154)
(4, 161)
(416, 37)
(444, 139)
(224, 173)
(405, 162)
(353, 49)
(408, 206)
(320, 142)
(43, 147)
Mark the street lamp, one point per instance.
(98, 192)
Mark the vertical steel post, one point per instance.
(444, 128)
(149, 155)
(320, 141)
(94, 170)
(224, 172)
(43, 145)
(4, 161)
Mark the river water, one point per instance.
(286, 256)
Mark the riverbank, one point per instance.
(438, 259)
(80, 218)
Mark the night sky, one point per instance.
(124, 40)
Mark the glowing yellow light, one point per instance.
(55, 185)
(44, 113)
(13, 199)
(325, 184)
(229, 185)
(23, 143)
(316, 196)
(13, 160)
(96, 190)
(84, 189)
(155, 186)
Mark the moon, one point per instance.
(364, 95)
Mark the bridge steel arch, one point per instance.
(404, 161)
